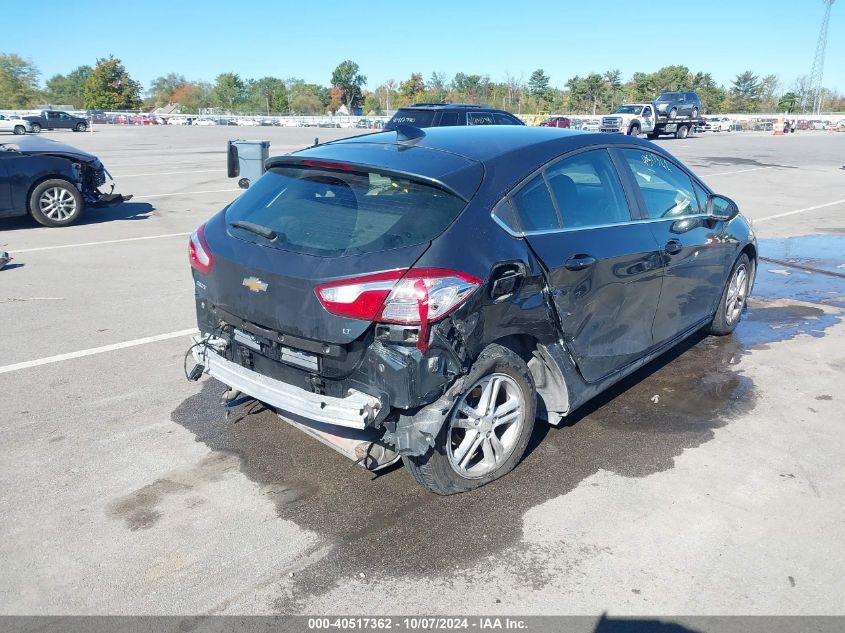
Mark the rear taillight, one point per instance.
(409, 297)
(200, 254)
(358, 297)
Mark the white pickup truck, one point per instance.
(641, 118)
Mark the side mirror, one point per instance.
(721, 207)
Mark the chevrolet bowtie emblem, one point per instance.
(255, 284)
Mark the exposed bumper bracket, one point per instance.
(357, 410)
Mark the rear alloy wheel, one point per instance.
(487, 432)
(733, 298)
(56, 203)
(19, 129)
(81, 127)
(36, 128)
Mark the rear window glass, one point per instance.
(417, 118)
(332, 213)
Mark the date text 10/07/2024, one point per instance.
(417, 623)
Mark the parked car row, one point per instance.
(719, 124)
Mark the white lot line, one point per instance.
(168, 173)
(160, 163)
(783, 215)
(184, 193)
(125, 239)
(95, 350)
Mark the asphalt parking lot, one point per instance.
(710, 482)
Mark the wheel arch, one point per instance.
(751, 251)
(44, 178)
(552, 390)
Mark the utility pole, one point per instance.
(817, 72)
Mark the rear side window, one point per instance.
(587, 190)
(577, 192)
(449, 118)
(536, 210)
(480, 118)
(505, 119)
(332, 213)
(417, 118)
(666, 189)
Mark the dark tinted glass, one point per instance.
(505, 119)
(536, 211)
(449, 118)
(417, 118)
(587, 190)
(335, 213)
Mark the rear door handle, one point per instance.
(579, 262)
(673, 247)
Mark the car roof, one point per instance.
(486, 142)
(449, 155)
(449, 106)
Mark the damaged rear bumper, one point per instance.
(356, 410)
(110, 198)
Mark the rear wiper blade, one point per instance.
(252, 227)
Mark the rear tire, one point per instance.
(734, 295)
(55, 203)
(481, 440)
(36, 128)
(682, 132)
(695, 113)
(19, 129)
(81, 127)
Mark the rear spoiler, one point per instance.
(305, 161)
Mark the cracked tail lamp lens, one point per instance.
(399, 296)
(438, 294)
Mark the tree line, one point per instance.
(108, 86)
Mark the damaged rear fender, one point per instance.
(414, 434)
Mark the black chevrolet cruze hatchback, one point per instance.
(425, 295)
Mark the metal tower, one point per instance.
(817, 73)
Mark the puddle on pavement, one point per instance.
(771, 322)
(140, 510)
(391, 524)
(733, 161)
(772, 315)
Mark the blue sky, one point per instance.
(393, 39)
